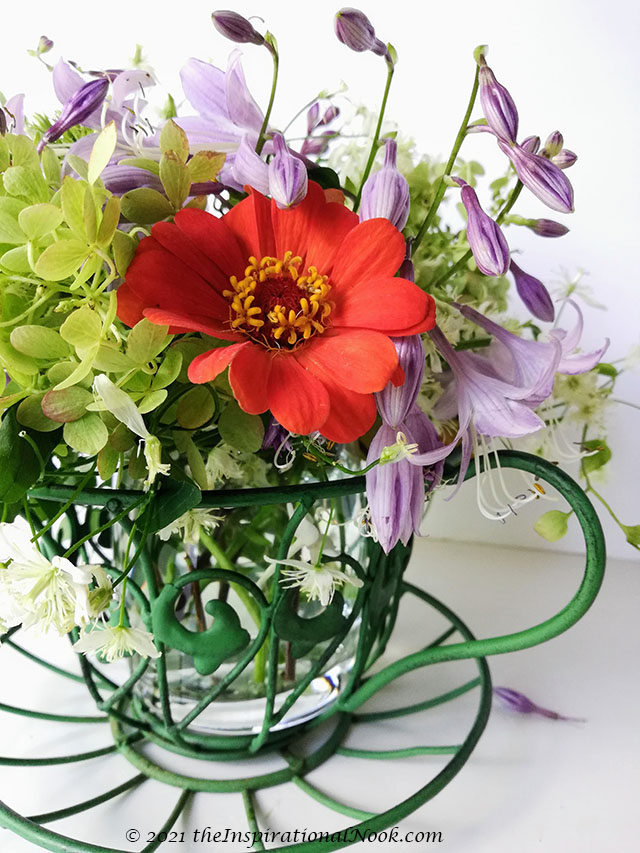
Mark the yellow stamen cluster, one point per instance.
(276, 305)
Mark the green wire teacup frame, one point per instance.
(375, 605)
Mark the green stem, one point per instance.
(68, 503)
(442, 187)
(276, 61)
(376, 136)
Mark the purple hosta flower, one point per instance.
(542, 177)
(354, 29)
(486, 240)
(533, 293)
(248, 168)
(227, 112)
(547, 228)
(277, 438)
(517, 701)
(236, 28)
(313, 117)
(396, 490)
(570, 363)
(14, 112)
(498, 106)
(386, 192)
(287, 176)
(3, 122)
(525, 363)
(77, 109)
(332, 112)
(313, 146)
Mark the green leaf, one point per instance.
(17, 260)
(146, 340)
(5, 159)
(23, 151)
(141, 163)
(174, 139)
(122, 439)
(240, 430)
(124, 248)
(145, 206)
(26, 183)
(39, 342)
(175, 178)
(173, 500)
(61, 259)
(81, 370)
(600, 458)
(78, 165)
(82, 328)
(552, 525)
(326, 177)
(152, 400)
(185, 444)
(110, 219)
(39, 219)
(102, 151)
(632, 532)
(87, 435)
(19, 465)
(51, 166)
(109, 359)
(196, 407)
(67, 404)
(107, 461)
(10, 231)
(89, 216)
(72, 200)
(204, 166)
(168, 370)
(15, 361)
(30, 414)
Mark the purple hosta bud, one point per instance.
(533, 293)
(531, 144)
(313, 117)
(330, 114)
(486, 240)
(3, 122)
(407, 269)
(517, 701)
(354, 29)
(394, 402)
(44, 45)
(287, 176)
(542, 177)
(547, 228)
(314, 146)
(78, 108)
(236, 28)
(386, 192)
(553, 145)
(565, 158)
(498, 106)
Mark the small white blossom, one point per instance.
(189, 525)
(116, 641)
(36, 591)
(121, 406)
(317, 582)
(222, 464)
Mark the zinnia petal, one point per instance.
(207, 366)
(373, 245)
(249, 378)
(297, 399)
(360, 359)
(386, 304)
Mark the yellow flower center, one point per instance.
(275, 305)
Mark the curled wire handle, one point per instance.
(547, 630)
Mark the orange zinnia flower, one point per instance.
(307, 296)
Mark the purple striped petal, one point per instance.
(498, 106)
(287, 176)
(542, 177)
(394, 402)
(236, 28)
(85, 101)
(486, 240)
(249, 168)
(204, 87)
(243, 110)
(547, 228)
(353, 28)
(386, 193)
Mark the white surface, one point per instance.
(532, 784)
(571, 65)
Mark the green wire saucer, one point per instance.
(132, 725)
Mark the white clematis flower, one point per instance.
(125, 410)
(47, 593)
(116, 641)
(317, 582)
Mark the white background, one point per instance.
(569, 65)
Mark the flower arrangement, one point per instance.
(194, 303)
